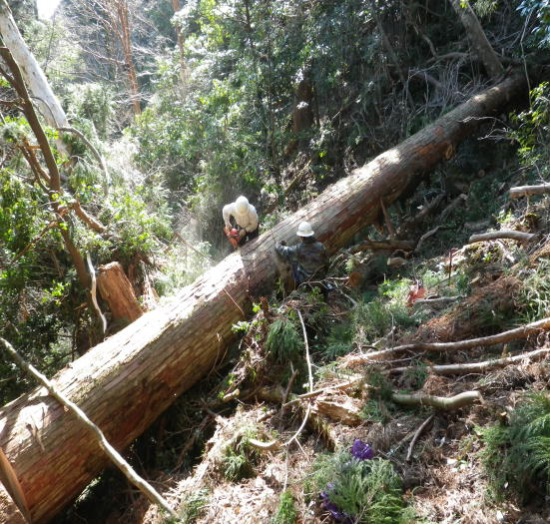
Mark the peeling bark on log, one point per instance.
(127, 381)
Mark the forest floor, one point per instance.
(225, 453)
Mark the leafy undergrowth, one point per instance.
(327, 412)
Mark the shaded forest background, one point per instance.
(179, 107)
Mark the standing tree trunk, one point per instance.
(126, 382)
(121, 8)
(32, 73)
(478, 38)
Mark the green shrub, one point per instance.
(360, 491)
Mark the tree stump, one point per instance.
(117, 291)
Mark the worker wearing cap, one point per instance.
(244, 218)
(308, 258)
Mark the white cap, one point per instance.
(241, 205)
(305, 230)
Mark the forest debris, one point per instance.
(263, 445)
(425, 236)
(483, 366)
(117, 291)
(416, 292)
(442, 403)
(93, 296)
(345, 410)
(451, 206)
(384, 245)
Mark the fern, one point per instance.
(283, 342)
(517, 456)
(359, 491)
(286, 512)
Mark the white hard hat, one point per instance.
(305, 230)
(241, 205)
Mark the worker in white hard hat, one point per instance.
(308, 259)
(240, 221)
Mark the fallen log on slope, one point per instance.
(126, 382)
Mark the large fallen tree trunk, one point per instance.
(127, 381)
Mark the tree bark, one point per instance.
(126, 382)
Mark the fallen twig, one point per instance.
(416, 436)
(469, 368)
(111, 452)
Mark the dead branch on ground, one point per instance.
(441, 403)
(504, 337)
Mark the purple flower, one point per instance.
(361, 450)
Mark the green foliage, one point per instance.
(516, 457)
(94, 103)
(286, 511)
(366, 491)
(379, 407)
(236, 466)
(284, 343)
(375, 318)
(532, 130)
(339, 341)
(540, 30)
